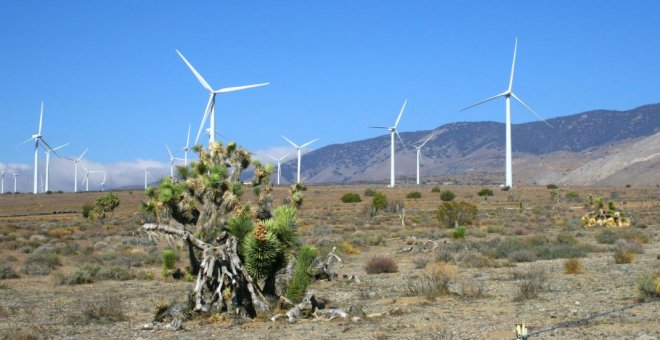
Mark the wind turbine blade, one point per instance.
(513, 64)
(206, 115)
(169, 152)
(238, 88)
(188, 138)
(285, 156)
(485, 100)
(290, 142)
(379, 127)
(41, 117)
(400, 140)
(47, 146)
(529, 108)
(61, 146)
(427, 139)
(27, 140)
(84, 152)
(308, 143)
(199, 76)
(400, 113)
(271, 157)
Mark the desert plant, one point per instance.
(414, 194)
(485, 192)
(552, 186)
(532, 283)
(379, 201)
(86, 210)
(7, 272)
(447, 196)
(572, 266)
(435, 281)
(351, 197)
(169, 259)
(41, 264)
(105, 204)
(108, 308)
(458, 232)
(381, 264)
(455, 213)
(623, 256)
(649, 286)
(435, 189)
(607, 236)
(572, 196)
(369, 192)
(302, 273)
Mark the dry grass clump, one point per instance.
(420, 262)
(381, 264)
(41, 264)
(107, 308)
(434, 282)
(622, 256)
(7, 272)
(531, 285)
(649, 286)
(473, 290)
(572, 266)
(348, 248)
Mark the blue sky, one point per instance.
(111, 80)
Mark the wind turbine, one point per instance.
(507, 95)
(419, 154)
(187, 148)
(75, 169)
(2, 188)
(48, 151)
(299, 148)
(210, 106)
(146, 173)
(87, 173)
(278, 165)
(15, 175)
(37, 137)
(103, 181)
(393, 130)
(172, 160)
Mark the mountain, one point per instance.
(474, 151)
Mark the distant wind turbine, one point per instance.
(210, 106)
(37, 138)
(103, 181)
(75, 169)
(393, 130)
(172, 160)
(278, 160)
(187, 148)
(15, 175)
(2, 188)
(299, 148)
(87, 173)
(146, 173)
(419, 154)
(48, 151)
(507, 95)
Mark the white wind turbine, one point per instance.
(87, 173)
(48, 151)
(37, 138)
(393, 131)
(2, 188)
(507, 95)
(278, 160)
(210, 106)
(75, 169)
(187, 148)
(419, 154)
(103, 181)
(172, 160)
(299, 148)
(15, 175)
(146, 173)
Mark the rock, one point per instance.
(577, 303)
(147, 326)
(38, 238)
(100, 245)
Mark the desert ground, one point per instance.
(511, 266)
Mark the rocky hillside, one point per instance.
(459, 148)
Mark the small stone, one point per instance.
(577, 303)
(147, 327)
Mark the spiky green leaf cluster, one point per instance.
(302, 273)
(263, 253)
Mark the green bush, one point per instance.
(302, 275)
(105, 204)
(572, 196)
(435, 189)
(459, 232)
(447, 196)
(552, 186)
(169, 259)
(369, 192)
(414, 194)
(607, 236)
(485, 192)
(87, 209)
(379, 201)
(41, 264)
(7, 272)
(452, 213)
(351, 197)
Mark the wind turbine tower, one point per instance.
(75, 169)
(508, 94)
(2, 188)
(279, 161)
(15, 175)
(37, 138)
(48, 151)
(393, 130)
(419, 154)
(210, 106)
(299, 148)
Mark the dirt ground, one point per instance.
(519, 235)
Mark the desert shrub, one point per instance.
(7, 272)
(369, 192)
(485, 192)
(447, 196)
(522, 256)
(114, 273)
(572, 266)
(381, 264)
(531, 285)
(649, 286)
(108, 308)
(552, 186)
(348, 248)
(572, 196)
(41, 264)
(87, 209)
(351, 197)
(435, 189)
(395, 206)
(607, 236)
(622, 256)
(566, 239)
(301, 277)
(475, 259)
(635, 235)
(414, 194)
(458, 232)
(105, 204)
(561, 251)
(435, 281)
(420, 262)
(77, 277)
(473, 290)
(629, 246)
(454, 213)
(169, 259)
(379, 201)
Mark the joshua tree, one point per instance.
(236, 249)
